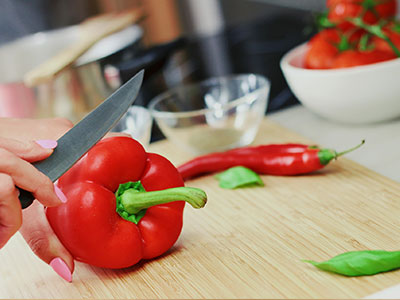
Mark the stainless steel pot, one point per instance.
(75, 91)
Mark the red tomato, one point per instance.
(322, 50)
(340, 10)
(324, 47)
(352, 58)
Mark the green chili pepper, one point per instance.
(238, 177)
(360, 263)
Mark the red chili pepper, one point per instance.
(141, 221)
(271, 148)
(275, 159)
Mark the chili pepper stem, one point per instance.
(350, 150)
(134, 201)
(326, 155)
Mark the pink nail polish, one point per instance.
(47, 144)
(61, 268)
(60, 194)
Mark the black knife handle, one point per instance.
(26, 198)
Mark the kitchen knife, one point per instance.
(77, 141)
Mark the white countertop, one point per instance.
(380, 153)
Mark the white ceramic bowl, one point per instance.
(358, 95)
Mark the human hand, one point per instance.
(15, 170)
(35, 229)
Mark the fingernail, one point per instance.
(47, 144)
(61, 268)
(60, 194)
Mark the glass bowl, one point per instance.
(137, 122)
(212, 115)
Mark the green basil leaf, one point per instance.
(360, 263)
(238, 177)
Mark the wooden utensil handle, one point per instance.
(93, 30)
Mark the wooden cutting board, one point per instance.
(246, 243)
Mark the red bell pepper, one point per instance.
(123, 205)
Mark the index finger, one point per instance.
(27, 177)
(30, 151)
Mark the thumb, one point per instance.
(41, 238)
(30, 151)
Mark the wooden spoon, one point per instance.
(92, 30)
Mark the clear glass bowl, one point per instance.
(137, 122)
(213, 115)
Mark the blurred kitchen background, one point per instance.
(189, 40)
(221, 36)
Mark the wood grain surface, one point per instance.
(245, 243)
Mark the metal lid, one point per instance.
(22, 55)
(111, 44)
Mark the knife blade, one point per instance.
(84, 135)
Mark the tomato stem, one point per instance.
(377, 31)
